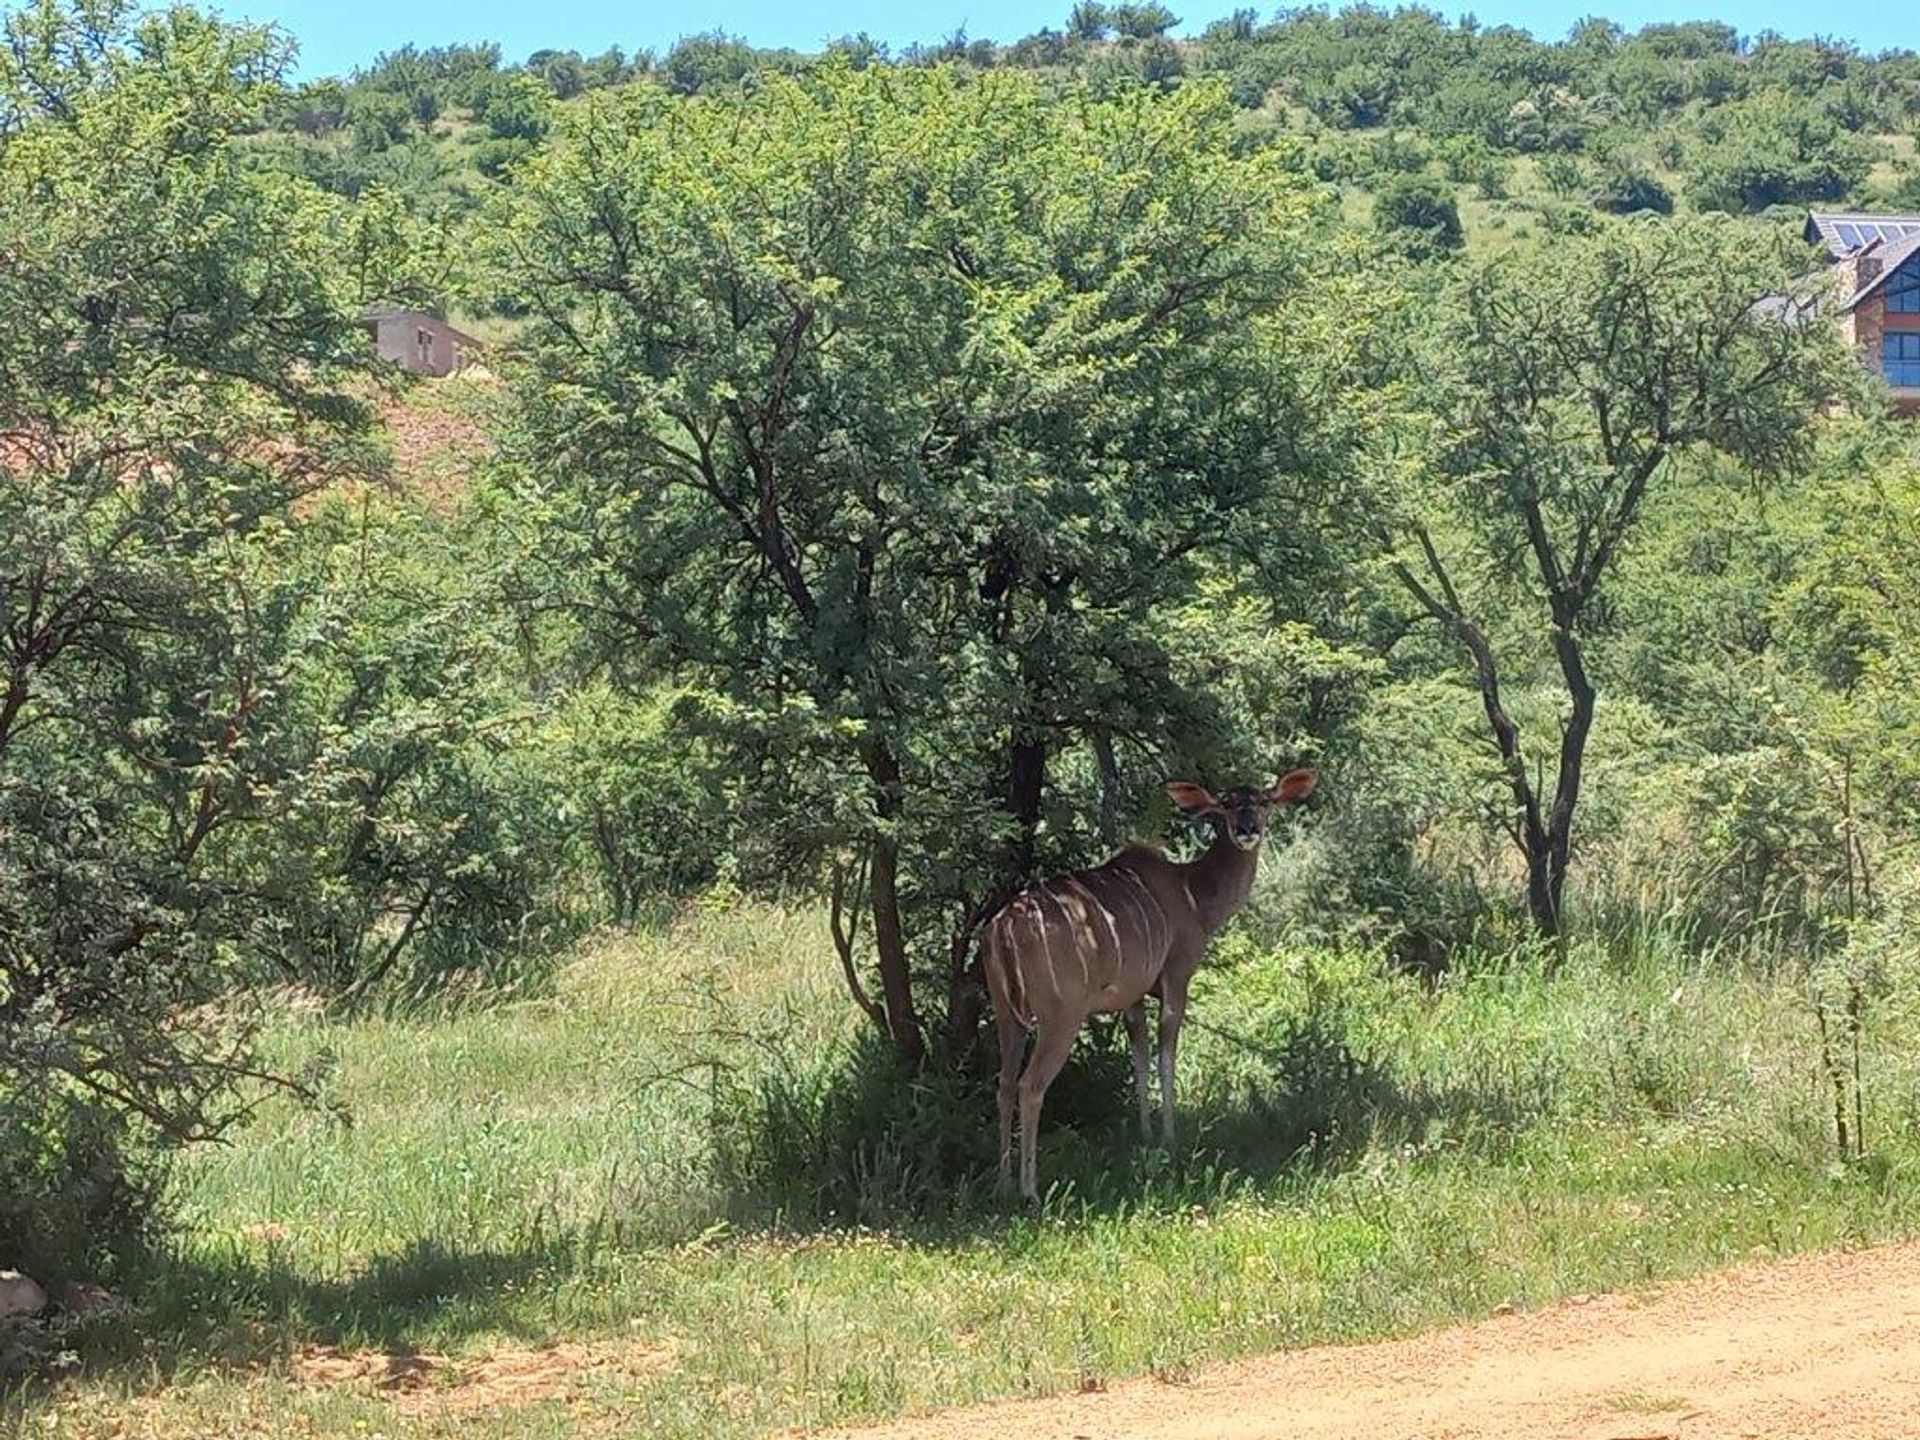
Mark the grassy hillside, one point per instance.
(1527, 132)
(529, 1218)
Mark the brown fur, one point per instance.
(1101, 941)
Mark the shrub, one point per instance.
(1625, 186)
(1775, 150)
(1418, 216)
(655, 804)
(1565, 175)
(78, 1184)
(846, 1136)
(1470, 161)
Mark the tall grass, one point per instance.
(683, 1141)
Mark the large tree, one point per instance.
(898, 408)
(176, 340)
(1563, 384)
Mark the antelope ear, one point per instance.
(1292, 788)
(1194, 799)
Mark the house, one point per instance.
(419, 341)
(1878, 260)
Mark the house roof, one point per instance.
(1786, 309)
(1846, 232)
(1892, 257)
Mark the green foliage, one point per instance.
(1089, 20)
(412, 835)
(513, 107)
(1469, 161)
(1551, 120)
(1141, 22)
(1565, 175)
(1416, 214)
(1736, 120)
(1625, 186)
(714, 61)
(1573, 379)
(72, 1200)
(177, 348)
(641, 778)
(894, 412)
(1774, 150)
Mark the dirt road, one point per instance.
(1823, 1345)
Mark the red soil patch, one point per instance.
(420, 1382)
(434, 451)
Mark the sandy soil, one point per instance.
(425, 1384)
(1823, 1345)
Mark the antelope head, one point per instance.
(1241, 814)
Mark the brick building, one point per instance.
(419, 341)
(1878, 259)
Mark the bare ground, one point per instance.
(1822, 1345)
(423, 1384)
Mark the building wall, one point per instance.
(1860, 326)
(1905, 401)
(415, 342)
(1866, 324)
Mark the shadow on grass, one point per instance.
(851, 1140)
(243, 1312)
(811, 1145)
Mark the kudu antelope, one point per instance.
(1102, 940)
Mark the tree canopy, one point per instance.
(897, 407)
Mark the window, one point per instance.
(1903, 291)
(1900, 358)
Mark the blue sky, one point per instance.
(335, 35)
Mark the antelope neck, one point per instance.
(1221, 879)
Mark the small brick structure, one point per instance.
(1876, 259)
(419, 341)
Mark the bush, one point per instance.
(1406, 154)
(846, 1136)
(1565, 175)
(1469, 161)
(513, 107)
(1775, 150)
(78, 1185)
(714, 60)
(1417, 215)
(654, 803)
(1624, 187)
(416, 834)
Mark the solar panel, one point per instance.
(1847, 233)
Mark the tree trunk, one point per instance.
(1109, 788)
(889, 938)
(1026, 783)
(1573, 754)
(1026, 787)
(1543, 890)
(1534, 837)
